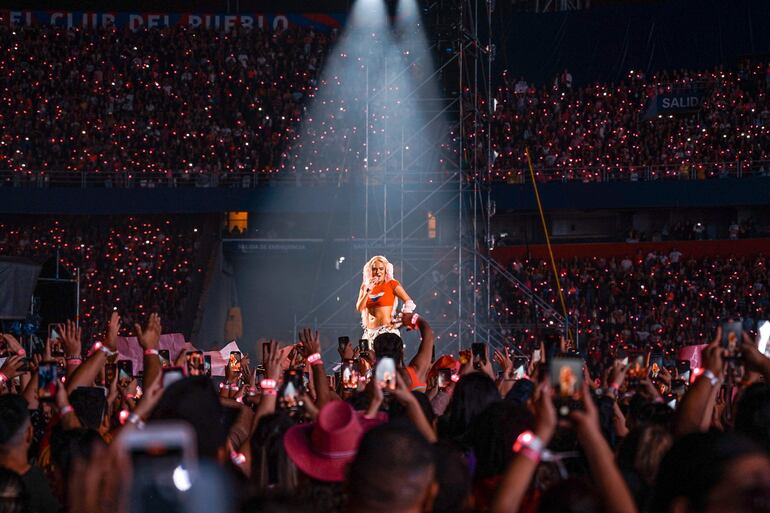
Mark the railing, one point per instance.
(247, 179)
(622, 173)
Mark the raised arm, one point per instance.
(311, 345)
(85, 374)
(401, 294)
(422, 360)
(149, 339)
(361, 301)
(697, 401)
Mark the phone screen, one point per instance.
(731, 335)
(444, 377)
(477, 350)
(110, 370)
(386, 373)
(519, 367)
(536, 355)
(656, 364)
(349, 375)
(567, 381)
(763, 337)
(165, 359)
(195, 363)
(48, 375)
(57, 344)
(235, 361)
(683, 369)
(207, 364)
(125, 372)
(158, 478)
(364, 346)
(291, 390)
(171, 375)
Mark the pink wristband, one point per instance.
(66, 410)
(21, 352)
(269, 391)
(315, 359)
(267, 384)
(3, 377)
(150, 352)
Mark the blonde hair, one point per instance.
(367, 277)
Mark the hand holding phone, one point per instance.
(567, 383)
(385, 374)
(235, 361)
(48, 378)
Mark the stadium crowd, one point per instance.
(147, 262)
(600, 131)
(177, 106)
(450, 435)
(663, 301)
(168, 105)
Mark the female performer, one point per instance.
(378, 298)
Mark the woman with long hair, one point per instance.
(378, 299)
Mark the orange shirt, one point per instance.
(383, 294)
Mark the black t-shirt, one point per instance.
(41, 499)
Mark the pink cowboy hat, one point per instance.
(323, 449)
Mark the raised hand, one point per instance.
(13, 344)
(310, 342)
(11, 367)
(505, 363)
(149, 337)
(71, 338)
(273, 363)
(545, 412)
(113, 326)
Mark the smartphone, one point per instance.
(444, 378)
(195, 363)
(478, 352)
(342, 342)
(622, 355)
(656, 364)
(536, 355)
(235, 361)
(57, 344)
(349, 375)
(763, 336)
(47, 376)
(125, 372)
(165, 359)
(207, 364)
(288, 395)
(364, 346)
(670, 400)
(519, 367)
(732, 333)
(683, 369)
(110, 371)
(171, 375)
(164, 461)
(567, 382)
(679, 387)
(385, 374)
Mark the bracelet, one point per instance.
(315, 359)
(150, 352)
(709, 375)
(237, 458)
(101, 347)
(267, 384)
(123, 416)
(74, 358)
(415, 318)
(136, 420)
(529, 446)
(3, 378)
(252, 391)
(234, 387)
(66, 410)
(21, 352)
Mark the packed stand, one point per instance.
(168, 106)
(385, 433)
(146, 262)
(598, 132)
(661, 300)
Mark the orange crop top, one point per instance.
(383, 294)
